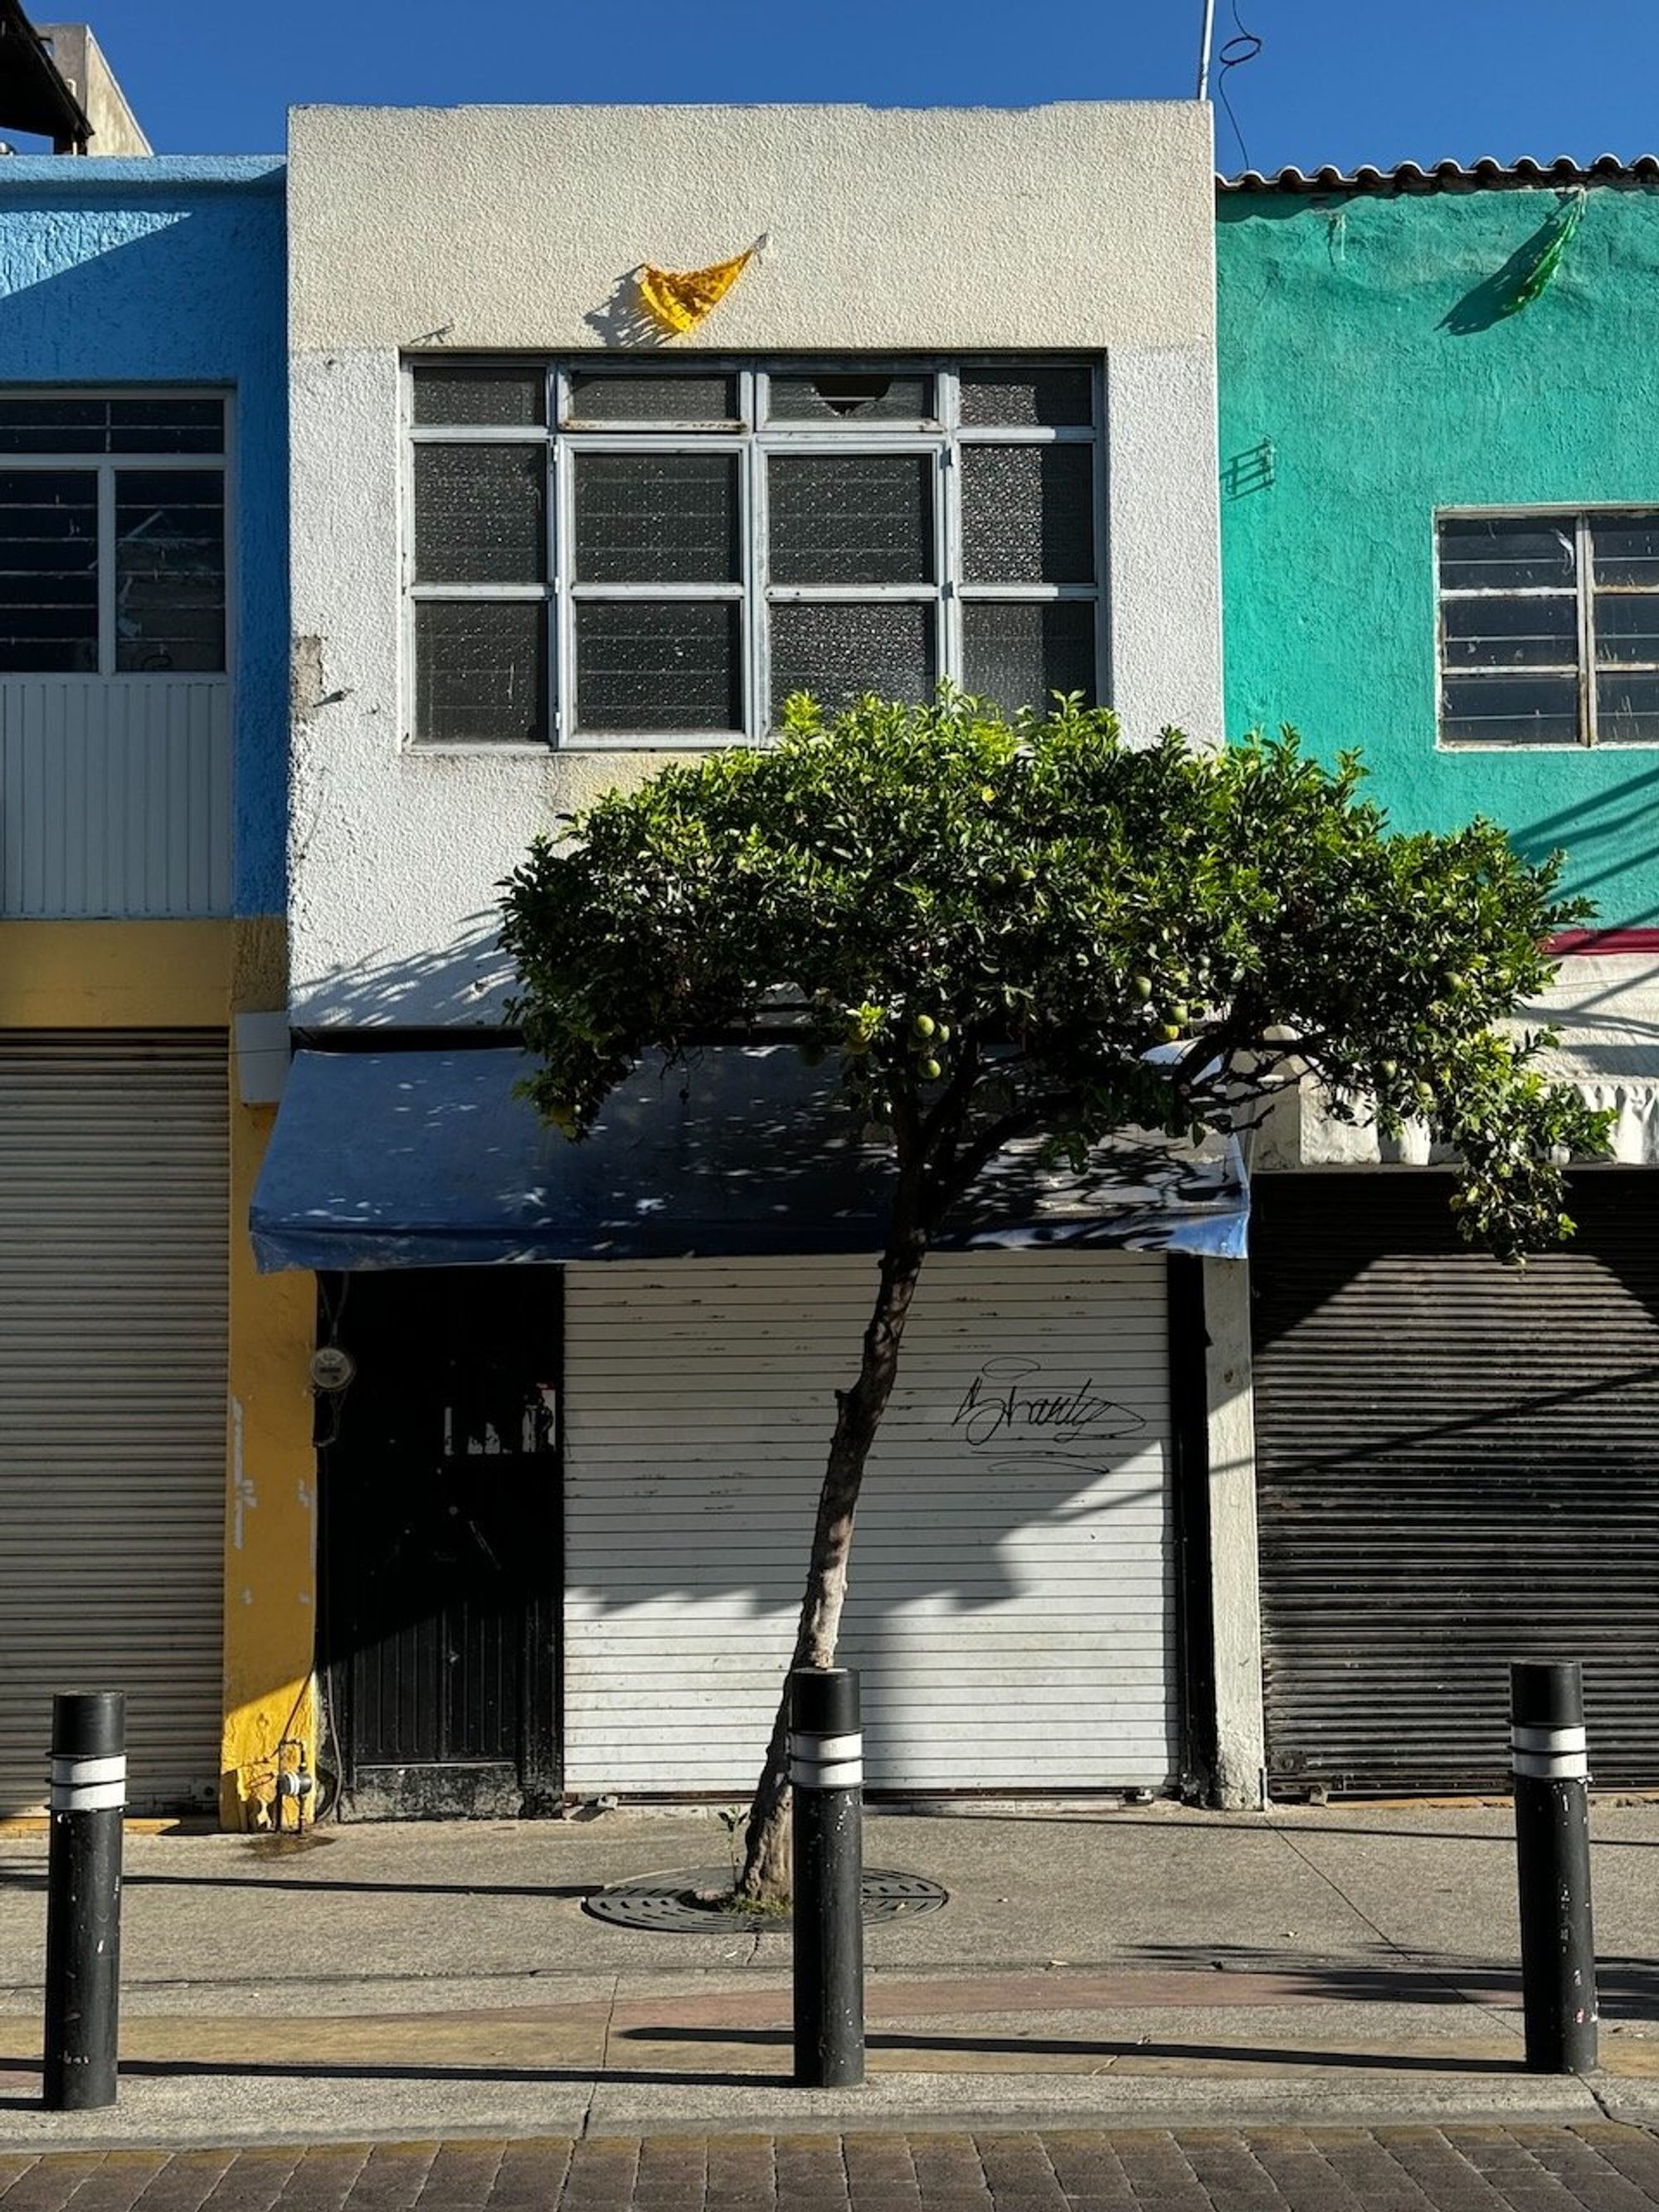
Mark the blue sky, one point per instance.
(1418, 79)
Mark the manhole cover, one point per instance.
(684, 1903)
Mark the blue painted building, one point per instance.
(143, 691)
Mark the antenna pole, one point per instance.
(1205, 38)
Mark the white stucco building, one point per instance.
(956, 420)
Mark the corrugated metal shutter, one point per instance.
(1012, 1586)
(1459, 1466)
(113, 1375)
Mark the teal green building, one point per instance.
(1440, 548)
(1440, 495)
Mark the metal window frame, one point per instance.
(106, 467)
(754, 436)
(1587, 669)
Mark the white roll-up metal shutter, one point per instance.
(113, 1191)
(1011, 1589)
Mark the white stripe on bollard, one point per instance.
(848, 1776)
(1552, 1766)
(76, 1773)
(97, 1798)
(1547, 1738)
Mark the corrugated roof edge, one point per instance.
(1450, 176)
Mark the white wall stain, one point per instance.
(243, 1497)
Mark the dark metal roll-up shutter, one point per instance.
(1459, 1466)
(113, 1195)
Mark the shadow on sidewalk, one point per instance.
(552, 1891)
(1060, 2046)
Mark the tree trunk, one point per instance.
(765, 1876)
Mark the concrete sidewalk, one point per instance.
(1158, 1964)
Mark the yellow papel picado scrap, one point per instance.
(679, 298)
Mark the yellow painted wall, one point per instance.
(200, 974)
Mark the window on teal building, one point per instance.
(1549, 627)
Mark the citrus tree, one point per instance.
(991, 925)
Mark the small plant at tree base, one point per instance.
(1008, 932)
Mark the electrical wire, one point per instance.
(1243, 47)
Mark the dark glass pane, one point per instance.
(480, 514)
(852, 517)
(1497, 552)
(601, 397)
(1518, 633)
(170, 569)
(48, 571)
(657, 519)
(1627, 710)
(839, 653)
(53, 426)
(1016, 397)
(649, 665)
(481, 671)
(1626, 550)
(514, 397)
(1019, 654)
(166, 426)
(851, 395)
(66, 424)
(1626, 627)
(1503, 710)
(1028, 514)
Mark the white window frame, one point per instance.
(106, 467)
(753, 436)
(1584, 671)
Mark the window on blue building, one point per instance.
(112, 534)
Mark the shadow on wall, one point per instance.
(1609, 836)
(463, 984)
(135, 291)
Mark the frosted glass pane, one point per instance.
(480, 671)
(1039, 397)
(839, 653)
(852, 517)
(851, 395)
(1018, 654)
(645, 666)
(602, 397)
(170, 569)
(1028, 514)
(514, 397)
(1626, 550)
(657, 518)
(48, 572)
(115, 425)
(480, 514)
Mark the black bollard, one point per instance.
(84, 1899)
(826, 1768)
(1552, 1867)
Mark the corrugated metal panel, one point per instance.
(1011, 1583)
(114, 1173)
(1459, 1466)
(115, 796)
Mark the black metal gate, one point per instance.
(441, 1559)
(1458, 1465)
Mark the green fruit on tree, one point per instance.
(943, 1032)
(1141, 985)
(925, 1025)
(1170, 1031)
(931, 1071)
(1179, 1010)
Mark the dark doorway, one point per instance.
(441, 1560)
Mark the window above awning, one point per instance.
(429, 1159)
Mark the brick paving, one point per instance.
(1603, 2167)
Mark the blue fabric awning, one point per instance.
(428, 1160)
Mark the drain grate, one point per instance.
(686, 1903)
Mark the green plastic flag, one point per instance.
(1548, 258)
